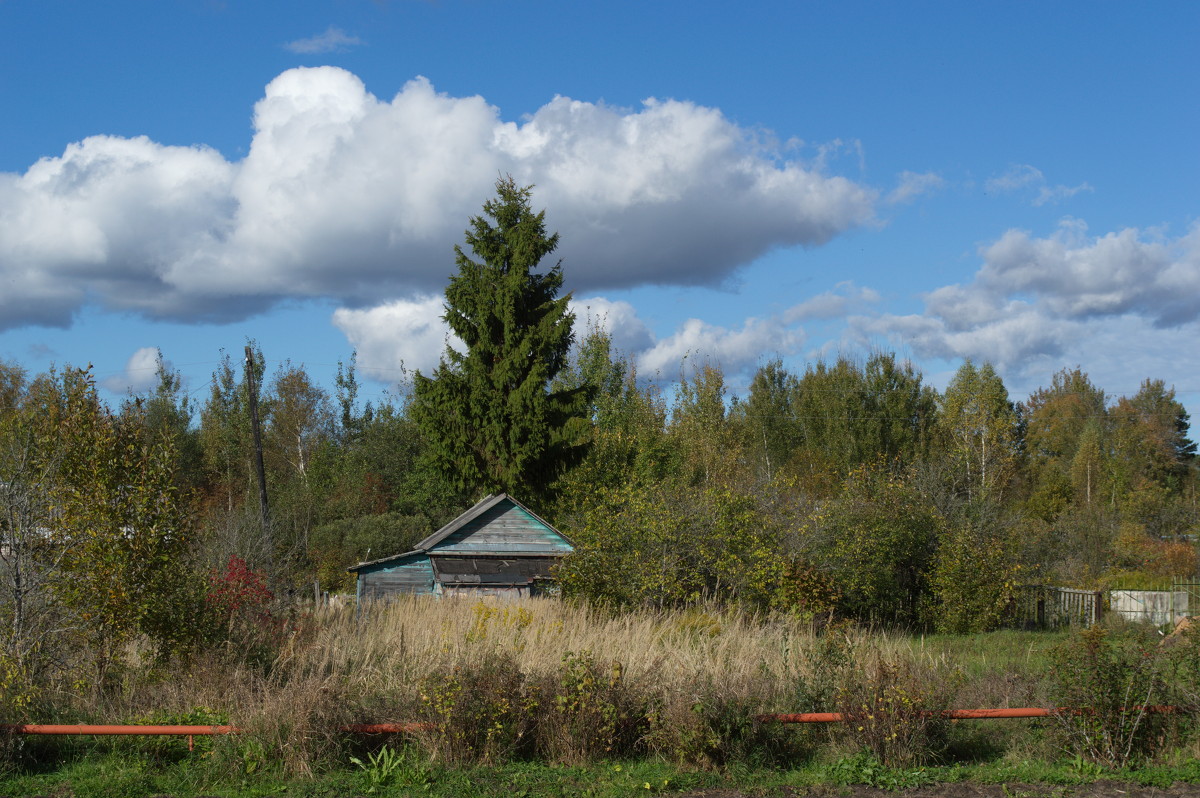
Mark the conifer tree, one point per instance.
(489, 415)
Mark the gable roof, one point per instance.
(485, 505)
(475, 512)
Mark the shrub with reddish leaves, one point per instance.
(239, 592)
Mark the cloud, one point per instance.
(1051, 194)
(1037, 303)
(1017, 177)
(912, 185)
(628, 332)
(333, 40)
(406, 335)
(735, 350)
(845, 298)
(1024, 176)
(345, 196)
(395, 338)
(141, 372)
(1074, 276)
(41, 351)
(410, 335)
(107, 220)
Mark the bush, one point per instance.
(587, 711)
(333, 545)
(826, 661)
(975, 575)
(167, 749)
(893, 707)
(876, 540)
(711, 723)
(1108, 681)
(478, 711)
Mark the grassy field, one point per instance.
(543, 697)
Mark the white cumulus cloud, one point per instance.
(109, 219)
(1037, 304)
(629, 333)
(398, 336)
(407, 335)
(735, 351)
(348, 196)
(140, 374)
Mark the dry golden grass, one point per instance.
(388, 648)
(392, 645)
(682, 684)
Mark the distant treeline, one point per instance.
(852, 488)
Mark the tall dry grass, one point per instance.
(536, 678)
(572, 683)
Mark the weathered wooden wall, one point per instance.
(411, 574)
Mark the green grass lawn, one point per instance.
(112, 774)
(125, 770)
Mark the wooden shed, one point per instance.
(497, 548)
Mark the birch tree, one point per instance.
(981, 428)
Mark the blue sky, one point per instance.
(1011, 182)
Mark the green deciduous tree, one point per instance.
(1153, 460)
(103, 525)
(1152, 435)
(877, 540)
(629, 445)
(849, 415)
(708, 447)
(488, 413)
(976, 570)
(981, 429)
(665, 545)
(167, 409)
(1066, 443)
(829, 403)
(768, 424)
(28, 561)
(225, 434)
(901, 411)
(234, 522)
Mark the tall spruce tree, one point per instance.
(489, 415)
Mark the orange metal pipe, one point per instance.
(949, 714)
(1019, 712)
(83, 728)
(954, 714)
(405, 728)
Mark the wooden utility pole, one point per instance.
(252, 392)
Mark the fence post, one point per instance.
(1041, 612)
(1098, 603)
